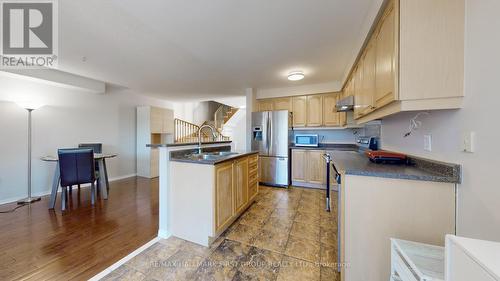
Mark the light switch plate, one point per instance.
(469, 142)
(428, 142)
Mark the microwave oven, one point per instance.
(306, 140)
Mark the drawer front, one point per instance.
(253, 177)
(253, 188)
(253, 159)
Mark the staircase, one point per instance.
(186, 132)
(222, 115)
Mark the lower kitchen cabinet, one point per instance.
(308, 168)
(235, 189)
(223, 195)
(240, 183)
(206, 199)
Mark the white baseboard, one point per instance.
(164, 234)
(121, 262)
(48, 191)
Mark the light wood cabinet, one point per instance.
(308, 167)
(223, 195)
(316, 167)
(299, 164)
(236, 185)
(314, 111)
(368, 86)
(161, 120)
(331, 117)
(309, 111)
(266, 105)
(385, 59)
(299, 111)
(414, 60)
(358, 90)
(282, 104)
(240, 184)
(154, 124)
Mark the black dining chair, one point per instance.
(97, 147)
(76, 166)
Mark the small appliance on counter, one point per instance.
(386, 157)
(371, 143)
(309, 140)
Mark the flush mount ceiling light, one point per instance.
(295, 75)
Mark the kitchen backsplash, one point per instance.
(343, 135)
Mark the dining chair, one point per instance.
(97, 147)
(76, 166)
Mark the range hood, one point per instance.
(345, 104)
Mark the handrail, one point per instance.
(187, 132)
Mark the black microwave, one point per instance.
(306, 140)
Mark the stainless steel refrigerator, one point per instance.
(270, 136)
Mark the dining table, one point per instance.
(100, 158)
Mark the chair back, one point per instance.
(76, 166)
(97, 147)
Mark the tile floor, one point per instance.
(285, 235)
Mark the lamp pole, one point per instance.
(30, 199)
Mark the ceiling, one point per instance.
(178, 49)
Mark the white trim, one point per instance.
(121, 262)
(48, 191)
(164, 234)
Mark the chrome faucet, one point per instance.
(199, 135)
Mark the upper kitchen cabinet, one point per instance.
(265, 105)
(413, 60)
(331, 117)
(385, 60)
(314, 111)
(282, 104)
(161, 120)
(299, 110)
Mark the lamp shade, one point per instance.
(29, 104)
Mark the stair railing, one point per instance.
(186, 132)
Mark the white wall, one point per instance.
(479, 194)
(70, 117)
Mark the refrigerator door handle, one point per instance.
(270, 133)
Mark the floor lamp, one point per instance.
(29, 106)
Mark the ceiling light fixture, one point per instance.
(295, 75)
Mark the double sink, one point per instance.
(210, 155)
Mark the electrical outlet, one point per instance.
(428, 142)
(469, 144)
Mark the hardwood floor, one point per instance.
(41, 244)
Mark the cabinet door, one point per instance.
(168, 121)
(282, 104)
(266, 105)
(223, 195)
(368, 87)
(330, 115)
(357, 89)
(299, 163)
(299, 108)
(316, 167)
(386, 59)
(240, 184)
(314, 111)
(156, 120)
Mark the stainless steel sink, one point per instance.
(211, 155)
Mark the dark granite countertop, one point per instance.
(184, 144)
(356, 163)
(328, 146)
(183, 155)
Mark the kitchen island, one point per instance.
(203, 193)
